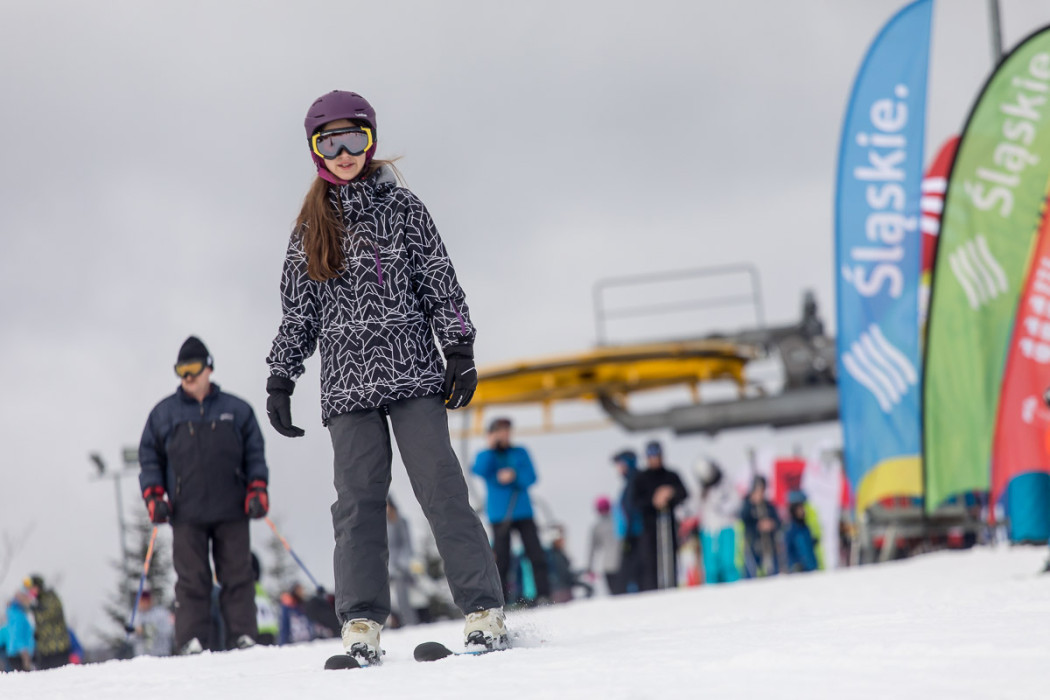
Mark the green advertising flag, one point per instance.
(991, 214)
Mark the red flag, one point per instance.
(787, 475)
(1023, 421)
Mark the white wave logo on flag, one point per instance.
(880, 368)
(931, 204)
(978, 272)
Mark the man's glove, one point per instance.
(157, 505)
(461, 378)
(279, 406)
(257, 502)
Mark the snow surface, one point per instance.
(947, 625)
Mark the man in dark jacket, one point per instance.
(52, 636)
(657, 492)
(203, 469)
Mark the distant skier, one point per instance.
(802, 535)
(559, 569)
(154, 632)
(761, 525)
(657, 492)
(53, 644)
(367, 279)
(17, 636)
(719, 515)
(508, 473)
(295, 626)
(627, 517)
(605, 552)
(203, 469)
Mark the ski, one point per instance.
(433, 651)
(344, 661)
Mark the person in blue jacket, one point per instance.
(508, 473)
(18, 636)
(628, 520)
(799, 540)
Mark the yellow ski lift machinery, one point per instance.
(609, 373)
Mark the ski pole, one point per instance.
(130, 627)
(292, 552)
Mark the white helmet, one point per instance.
(706, 470)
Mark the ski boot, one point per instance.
(244, 642)
(361, 641)
(191, 648)
(486, 630)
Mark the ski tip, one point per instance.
(340, 661)
(431, 651)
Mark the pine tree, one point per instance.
(159, 580)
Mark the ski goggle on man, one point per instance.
(190, 368)
(355, 140)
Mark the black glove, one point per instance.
(461, 378)
(279, 406)
(157, 505)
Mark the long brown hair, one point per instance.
(322, 228)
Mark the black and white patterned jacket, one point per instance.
(375, 323)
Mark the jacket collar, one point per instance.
(362, 191)
(212, 393)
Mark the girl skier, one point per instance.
(366, 277)
(719, 513)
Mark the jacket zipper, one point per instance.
(178, 478)
(379, 266)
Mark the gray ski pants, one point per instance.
(363, 455)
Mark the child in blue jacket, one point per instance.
(17, 636)
(799, 539)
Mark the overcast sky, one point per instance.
(152, 160)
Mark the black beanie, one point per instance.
(193, 349)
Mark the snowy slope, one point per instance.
(949, 625)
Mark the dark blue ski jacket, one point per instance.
(203, 454)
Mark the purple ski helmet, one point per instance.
(339, 104)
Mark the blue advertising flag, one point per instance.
(878, 257)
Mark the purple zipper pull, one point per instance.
(379, 267)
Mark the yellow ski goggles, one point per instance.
(355, 140)
(190, 368)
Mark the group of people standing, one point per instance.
(636, 540)
(35, 635)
